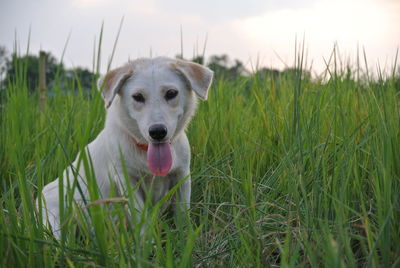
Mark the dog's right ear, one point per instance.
(197, 76)
(111, 83)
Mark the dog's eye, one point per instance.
(171, 93)
(138, 97)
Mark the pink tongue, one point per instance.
(159, 158)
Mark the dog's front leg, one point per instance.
(52, 202)
(135, 209)
(182, 200)
(182, 203)
(50, 212)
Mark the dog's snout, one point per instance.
(158, 132)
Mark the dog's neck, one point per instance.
(141, 146)
(133, 140)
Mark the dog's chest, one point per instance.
(154, 187)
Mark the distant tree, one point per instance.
(85, 77)
(3, 60)
(26, 68)
(264, 73)
(222, 67)
(219, 64)
(238, 68)
(28, 65)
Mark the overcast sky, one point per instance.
(254, 31)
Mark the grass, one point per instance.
(289, 172)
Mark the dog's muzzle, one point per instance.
(158, 132)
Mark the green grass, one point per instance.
(290, 173)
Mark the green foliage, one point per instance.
(306, 173)
(28, 67)
(25, 69)
(3, 59)
(223, 68)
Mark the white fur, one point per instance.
(126, 121)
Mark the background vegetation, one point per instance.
(287, 170)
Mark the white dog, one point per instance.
(149, 103)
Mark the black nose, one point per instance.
(158, 132)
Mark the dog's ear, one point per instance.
(197, 76)
(112, 82)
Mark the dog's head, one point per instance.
(154, 100)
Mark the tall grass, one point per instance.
(289, 172)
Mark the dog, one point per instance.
(149, 103)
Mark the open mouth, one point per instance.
(159, 158)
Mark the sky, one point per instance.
(260, 33)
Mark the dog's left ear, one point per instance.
(198, 76)
(111, 83)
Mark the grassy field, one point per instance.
(288, 172)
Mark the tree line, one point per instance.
(70, 79)
(26, 68)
